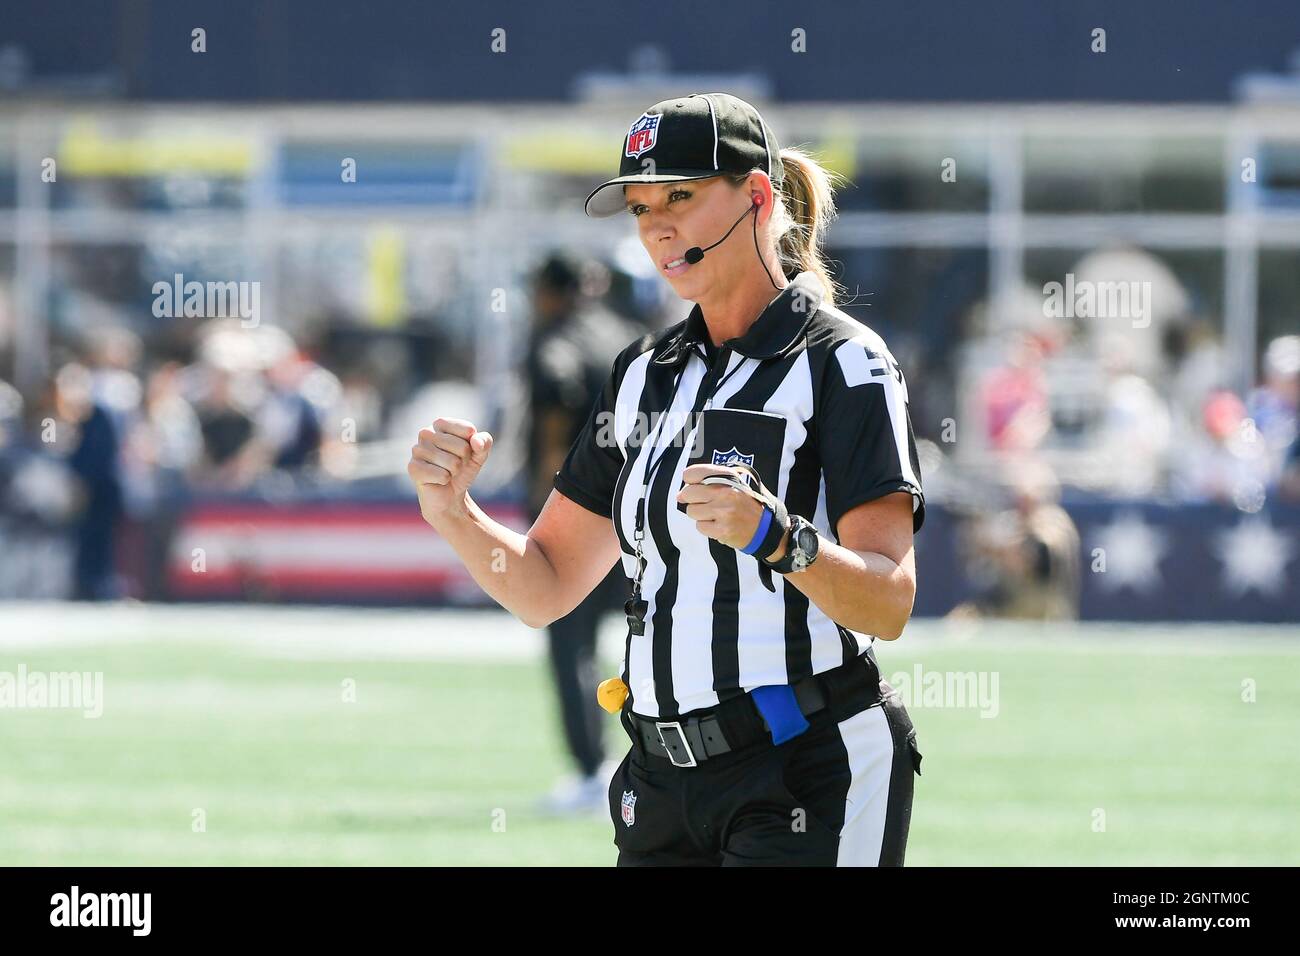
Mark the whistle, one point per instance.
(611, 693)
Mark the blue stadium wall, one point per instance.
(1012, 50)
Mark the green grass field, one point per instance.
(241, 715)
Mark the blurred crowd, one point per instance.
(1134, 405)
(123, 436)
(1140, 405)
(112, 434)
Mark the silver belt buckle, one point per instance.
(681, 735)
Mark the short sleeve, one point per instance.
(867, 446)
(591, 469)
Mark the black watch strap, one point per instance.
(786, 564)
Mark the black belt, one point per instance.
(737, 723)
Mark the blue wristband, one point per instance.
(763, 524)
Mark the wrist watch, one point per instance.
(802, 550)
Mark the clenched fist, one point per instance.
(444, 463)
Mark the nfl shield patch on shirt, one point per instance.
(629, 807)
(732, 456)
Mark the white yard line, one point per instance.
(348, 633)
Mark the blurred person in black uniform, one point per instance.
(572, 344)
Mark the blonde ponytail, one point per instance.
(808, 201)
(805, 208)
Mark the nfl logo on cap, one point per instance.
(642, 136)
(629, 807)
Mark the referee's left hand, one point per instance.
(720, 512)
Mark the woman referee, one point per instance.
(754, 468)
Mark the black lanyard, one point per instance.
(635, 607)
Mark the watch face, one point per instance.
(805, 546)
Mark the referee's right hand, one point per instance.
(444, 463)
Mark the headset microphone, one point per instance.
(694, 254)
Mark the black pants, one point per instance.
(574, 670)
(839, 794)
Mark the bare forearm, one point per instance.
(865, 591)
(511, 567)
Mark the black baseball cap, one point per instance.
(693, 137)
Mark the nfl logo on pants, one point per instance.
(629, 807)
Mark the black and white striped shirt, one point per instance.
(713, 629)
